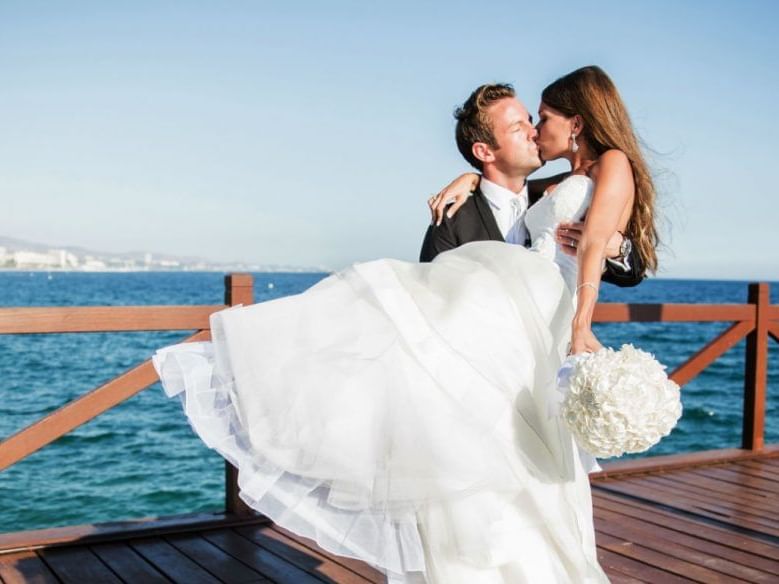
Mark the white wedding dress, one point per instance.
(400, 413)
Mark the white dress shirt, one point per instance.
(509, 209)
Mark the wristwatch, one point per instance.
(625, 247)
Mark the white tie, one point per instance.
(517, 210)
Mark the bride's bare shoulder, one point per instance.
(610, 162)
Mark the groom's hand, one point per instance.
(569, 234)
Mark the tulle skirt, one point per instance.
(399, 413)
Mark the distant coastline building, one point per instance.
(54, 259)
(92, 264)
(169, 264)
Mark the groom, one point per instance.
(495, 134)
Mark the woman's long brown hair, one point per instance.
(590, 93)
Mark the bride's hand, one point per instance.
(458, 191)
(583, 341)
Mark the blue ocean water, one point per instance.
(141, 458)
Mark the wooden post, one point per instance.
(756, 370)
(238, 290)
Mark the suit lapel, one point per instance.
(487, 217)
(533, 194)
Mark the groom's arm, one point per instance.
(438, 238)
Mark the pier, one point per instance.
(710, 516)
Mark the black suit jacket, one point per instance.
(474, 221)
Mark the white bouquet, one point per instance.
(615, 402)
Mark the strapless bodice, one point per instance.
(567, 202)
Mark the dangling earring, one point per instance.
(574, 145)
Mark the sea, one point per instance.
(141, 459)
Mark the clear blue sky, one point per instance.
(311, 133)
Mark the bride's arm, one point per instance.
(614, 188)
(458, 190)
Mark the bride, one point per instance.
(399, 413)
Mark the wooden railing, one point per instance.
(757, 320)
(238, 290)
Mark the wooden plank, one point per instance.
(691, 368)
(708, 475)
(657, 516)
(712, 489)
(619, 566)
(735, 512)
(171, 562)
(361, 568)
(72, 319)
(615, 312)
(721, 504)
(731, 514)
(736, 477)
(83, 319)
(683, 546)
(268, 564)
(120, 530)
(768, 464)
(618, 577)
(25, 567)
(127, 563)
(77, 565)
(222, 565)
(679, 568)
(709, 511)
(684, 533)
(756, 371)
(56, 319)
(313, 560)
(80, 410)
(759, 469)
(656, 569)
(669, 462)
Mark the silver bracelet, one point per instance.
(589, 285)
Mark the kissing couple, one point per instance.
(398, 412)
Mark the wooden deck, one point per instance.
(709, 523)
(717, 523)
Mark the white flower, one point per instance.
(618, 401)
